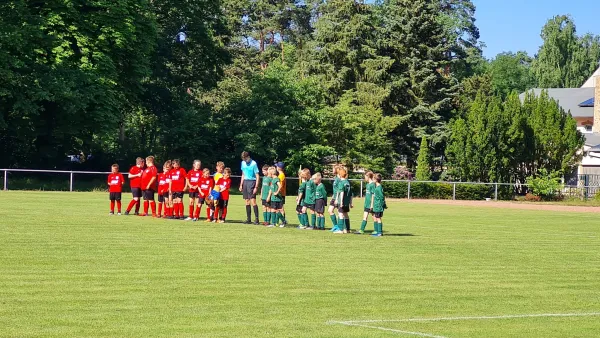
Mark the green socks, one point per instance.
(280, 217)
(322, 222)
(304, 220)
(334, 220)
(273, 218)
(313, 219)
(341, 224)
(266, 216)
(363, 225)
(378, 228)
(300, 219)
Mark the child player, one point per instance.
(149, 186)
(224, 184)
(300, 205)
(163, 190)
(176, 188)
(274, 199)
(205, 186)
(344, 195)
(320, 201)
(368, 201)
(264, 193)
(281, 175)
(191, 181)
(115, 187)
(309, 202)
(135, 183)
(378, 206)
(220, 167)
(332, 204)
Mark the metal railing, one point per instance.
(412, 188)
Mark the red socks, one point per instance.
(216, 215)
(119, 206)
(146, 205)
(131, 204)
(137, 206)
(224, 213)
(191, 210)
(208, 210)
(160, 205)
(153, 207)
(197, 213)
(112, 206)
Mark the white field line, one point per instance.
(362, 323)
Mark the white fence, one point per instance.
(409, 192)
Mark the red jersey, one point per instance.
(194, 176)
(177, 177)
(147, 176)
(224, 184)
(206, 184)
(115, 182)
(135, 182)
(163, 182)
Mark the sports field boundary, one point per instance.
(369, 323)
(506, 205)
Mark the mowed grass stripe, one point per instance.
(70, 270)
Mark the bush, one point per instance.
(546, 185)
(532, 198)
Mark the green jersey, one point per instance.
(344, 188)
(266, 186)
(321, 193)
(302, 190)
(310, 192)
(369, 195)
(274, 187)
(336, 181)
(379, 201)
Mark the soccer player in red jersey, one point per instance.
(115, 187)
(163, 189)
(135, 183)
(149, 186)
(206, 184)
(176, 188)
(192, 180)
(224, 183)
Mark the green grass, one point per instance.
(69, 270)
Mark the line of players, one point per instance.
(170, 186)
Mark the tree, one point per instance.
(565, 60)
(510, 71)
(423, 162)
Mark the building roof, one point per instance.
(592, 140)
(591, 82)
(569, 99)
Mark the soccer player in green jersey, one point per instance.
(275, 200)
(368, 201)
(320, 201)
(332, 203)
(309, 202)
(264, 193)
(378, 205)
(302, 178)
(343, 200)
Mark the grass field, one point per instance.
(69, 270)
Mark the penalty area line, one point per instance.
(364, 323)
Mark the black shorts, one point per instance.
(276, 205)
(136, 192)
(299, 208)
(202, 200)
(114, 196)
(343, 209)
(332, 203)
(320, 206)
(161, 198)
(311, 207)
(265, 203)
(194, 194)
(248, 189)
(223, 203)
(177, 194)
(369, 210)
(149, 195)
(378, 214)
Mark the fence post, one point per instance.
(71, 182)
(495, 191)
(408, 193)
(5, 180)
(361, 189)
(453, 191)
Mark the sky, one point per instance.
(514, 25)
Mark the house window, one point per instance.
(588, 128)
